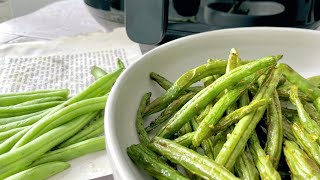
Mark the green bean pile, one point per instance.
(41, 130)
(256, 119)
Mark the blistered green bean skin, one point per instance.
(307, 142)
(185, 140)
(236, 115)
(97, 72)
(73, 151)
(220, 107)
(275, 130)
(312, 112)
(206, 144)
(204, 97)
(303, 84)
(16, 160)
(233, 62)
(154, 165)
(170, 111)
(142, 134)
(85, 133)
(41, 172)
(245, 127)
(301, 166)
(287, 131)
(187, 79)
(191, 160)
(316, 104)
(262, 161)
(308, 124)
(163, 82)
(245, 167)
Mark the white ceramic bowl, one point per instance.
(299, 47)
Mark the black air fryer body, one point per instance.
(155, 21)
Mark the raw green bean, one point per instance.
(22, 123)
(41, 100)
(301, 166)
(307, 123)
(41, 172)
(312, 112)
(187, 79)
(83, 134)
(10, 111)
(142, 133)
(220, 107)
(191, 160)
(153, 164)
(204, 97)
(10, 142)
(245, 167)
(237, 140)
(98, 88)
(20, 118)
(34, 92)
(98, 72)
(51, 121)
(19, 158)
(273, 146)
(120, 64)
(236, 115)
(7, 134)
(16, 98)
(262, 161)
(307, 141)
(170, 110)
(73, 151)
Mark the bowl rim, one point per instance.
(113, 148)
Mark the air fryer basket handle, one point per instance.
(146, 20)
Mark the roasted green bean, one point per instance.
(142, 134)
(273, 146)
(187, 79)
(204, 97)
(262, 161)
(301, 166)
(194, 162)
(154, 165)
